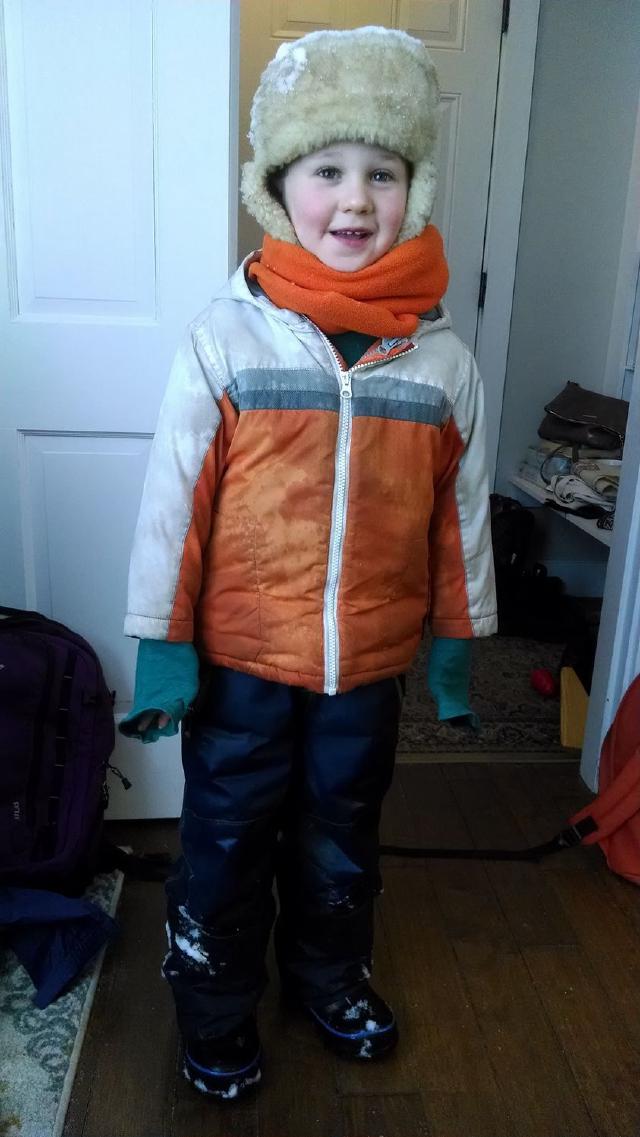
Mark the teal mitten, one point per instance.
(167, 678)
(448, 678)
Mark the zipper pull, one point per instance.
(345, 385)
(386, 345)
(125, 781)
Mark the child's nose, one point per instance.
(356, 196)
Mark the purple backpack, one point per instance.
(56, 736)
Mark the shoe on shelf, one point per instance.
(225, 1067)
(358, 1025)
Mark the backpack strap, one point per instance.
(566, 839)
(147, 866)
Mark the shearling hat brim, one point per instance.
(372, 85)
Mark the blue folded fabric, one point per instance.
(53, 936)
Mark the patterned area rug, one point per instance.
(513, 716)
(39, 1049)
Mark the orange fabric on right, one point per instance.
(616, 810)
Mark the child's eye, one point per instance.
(382, 176)
(328, 172)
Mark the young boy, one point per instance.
(316, 492)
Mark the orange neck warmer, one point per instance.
(383, 299)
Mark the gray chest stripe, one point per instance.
(379, 396)
(364, 407)
(288, 401)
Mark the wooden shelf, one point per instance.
(588, 526)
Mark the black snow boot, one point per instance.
(226, 1067)
(358, 1025)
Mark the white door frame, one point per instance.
(617, 659)
(513, 108)
(625, 292)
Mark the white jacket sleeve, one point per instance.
(463, 596)
(195, 427)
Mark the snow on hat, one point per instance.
(374, 85)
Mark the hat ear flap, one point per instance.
(268, 212)
(420, 200)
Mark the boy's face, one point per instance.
(346, 203)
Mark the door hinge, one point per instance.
(483, 289)
(506, 8)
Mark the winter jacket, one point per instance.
(301, 520)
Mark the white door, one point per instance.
(117, 222)
(464, 39)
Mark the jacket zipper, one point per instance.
(336, 538)
(338, 516)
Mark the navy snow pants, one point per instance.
(279, 782)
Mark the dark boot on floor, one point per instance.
(358, 1025)
(226, 1067)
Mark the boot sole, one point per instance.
(366, 1048)
(224, 1086)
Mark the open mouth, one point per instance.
(351, 234)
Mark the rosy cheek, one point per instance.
(399, 213)
(315, 208)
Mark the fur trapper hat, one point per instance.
(373, 85)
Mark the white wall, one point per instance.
(585, 96)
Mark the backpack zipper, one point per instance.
(33, 776)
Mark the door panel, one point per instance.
(114, 145)
(81, 115)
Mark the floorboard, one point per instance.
(516, 987)
(394, 1114)
(534, 1079)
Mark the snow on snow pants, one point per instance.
(279, 782)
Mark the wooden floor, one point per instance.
(516, 987)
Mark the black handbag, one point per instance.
(585, 418)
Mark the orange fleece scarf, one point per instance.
(383, 299)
